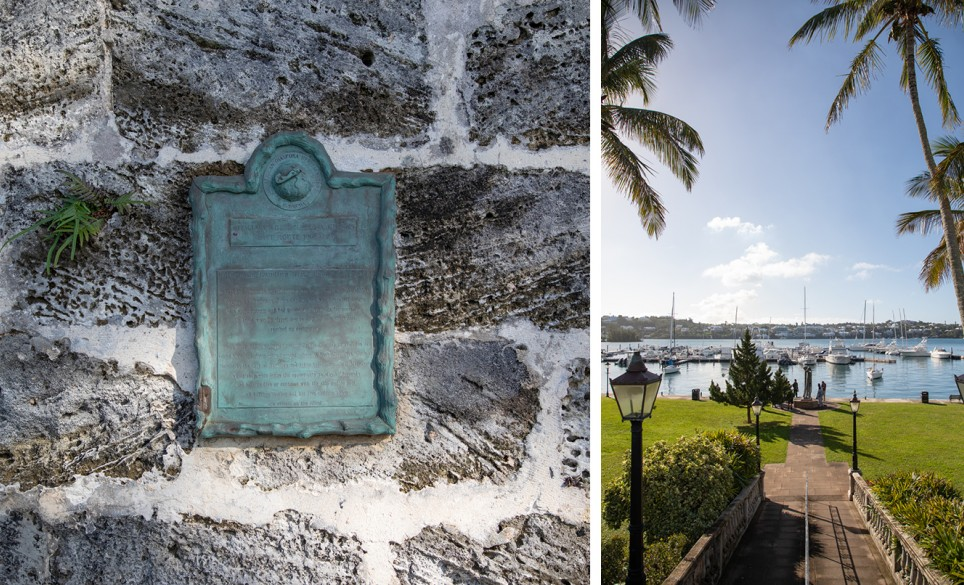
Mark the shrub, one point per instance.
(659, 557)
(686, 485)
(932, 510)
(662, 556)
(613, 557)
(744, 454)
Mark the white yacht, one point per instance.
(839, 354)
(919, 350)
(941, 354)
(873, 373)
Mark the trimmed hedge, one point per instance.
(686, 486)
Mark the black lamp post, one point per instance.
(608, 381)
(635, 393)
(854, 407)
(757, 407)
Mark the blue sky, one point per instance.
(780, 204)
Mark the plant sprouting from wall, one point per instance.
(82, 213)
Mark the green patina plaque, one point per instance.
(294, 288)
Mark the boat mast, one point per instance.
(804, 313)
(672, 325)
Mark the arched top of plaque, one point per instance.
(294, 293)
(264, 159)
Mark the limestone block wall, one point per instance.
(480, 109)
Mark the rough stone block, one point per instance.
(51, 63)
(136, 272)
(198, 550)
(528, 77)
(538, 548)
(575, 423)
(187, 74)
(64, 414)
(465, 410)
(479, 245)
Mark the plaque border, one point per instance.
(210, 423)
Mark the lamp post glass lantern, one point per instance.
(757, 407)
(854, 407)
(959, 380)
(635, 393)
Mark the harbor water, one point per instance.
(906, 378)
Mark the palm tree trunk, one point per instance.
(951, 237)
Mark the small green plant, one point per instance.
(81, 215)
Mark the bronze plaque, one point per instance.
(294, 268)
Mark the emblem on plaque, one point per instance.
(294, 280)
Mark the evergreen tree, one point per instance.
(749, 378)
(782, 389)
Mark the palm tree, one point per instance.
(903, 20)
(936, 267)
(628, 69)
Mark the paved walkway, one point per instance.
(841, 549)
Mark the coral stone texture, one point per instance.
(480, 110)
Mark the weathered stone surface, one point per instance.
(187, 73)
(474, 416)
(482, 244)
(539, 548)
(136, 272)
(575, 424)
(465, 410)
(132, 550)
(63, 414)
(51, 62)
(528, 78)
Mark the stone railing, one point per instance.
(705, 561)
(905, 558)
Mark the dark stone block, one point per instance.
(64, 414)
(480, 245)
(534, 549)
(531, 77)
(184, 76)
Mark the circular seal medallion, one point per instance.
(292, 179)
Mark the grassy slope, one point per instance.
(675, 418)
(898, 436)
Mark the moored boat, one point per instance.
(941, 354)
(838, 354)
(919, 350)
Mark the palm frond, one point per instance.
(692, 11)
(876, 17)
(950, 171)
(920, 187)
(632, 68)
(628, 173)
(827, 23)
(922, 222)
(669, 138)
(931, 61)
(935, 269)
(862, 73)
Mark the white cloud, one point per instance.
(864, 270)
(744, 228)
(721, 307)
(759, 262)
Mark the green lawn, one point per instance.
(898, 436)
(676, 418)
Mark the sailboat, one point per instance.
(872, 372)
(805, 354)
(669, 366)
